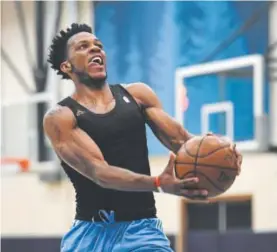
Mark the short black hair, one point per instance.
(57, 51)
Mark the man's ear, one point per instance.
(66, 67)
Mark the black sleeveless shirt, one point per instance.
(121, 136)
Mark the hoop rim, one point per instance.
(22, 163)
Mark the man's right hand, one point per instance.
(181, 187)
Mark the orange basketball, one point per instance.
(210, 158)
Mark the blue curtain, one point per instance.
(147, 41)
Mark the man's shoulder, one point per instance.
(144, 94)
(138, 87)
(58, 112)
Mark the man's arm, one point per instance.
(81, 153)
(167, 129)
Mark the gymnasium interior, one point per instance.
(213, 64)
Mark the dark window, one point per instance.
(203, 216)
(239, 215)
(220, 216)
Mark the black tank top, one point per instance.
(121, 136)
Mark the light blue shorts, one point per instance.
(109, 236)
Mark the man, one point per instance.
(99, 135)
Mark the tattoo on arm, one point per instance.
(77, 160)
(57, 131)
(168, 141)
(82, 154)
(167, 130)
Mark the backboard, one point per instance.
(236, 108)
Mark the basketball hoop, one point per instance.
(10, 166)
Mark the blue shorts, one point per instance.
(109, 236)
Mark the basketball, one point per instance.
(210, 158)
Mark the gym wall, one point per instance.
(48, 210)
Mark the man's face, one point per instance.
(86, 58)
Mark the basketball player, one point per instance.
(99, 135)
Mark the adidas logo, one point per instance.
(79, 112)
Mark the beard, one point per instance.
(87, 80)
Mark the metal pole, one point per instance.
(273, 82)
(40, 77)
(92, 5)
(245, 27)
(221, 119)
(222, 217)
(85, 12)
